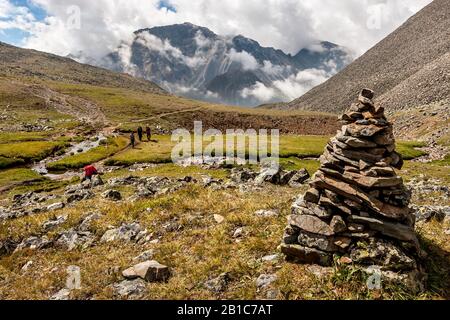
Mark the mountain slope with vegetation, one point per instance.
(35, 65)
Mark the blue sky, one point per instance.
(15, 35)
(38, 12)
(166, 5)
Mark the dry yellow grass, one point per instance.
(195, 247)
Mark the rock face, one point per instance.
(357, 206)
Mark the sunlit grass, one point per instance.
(10, 176)
(8, 137)
(30, 150)
(80, 160)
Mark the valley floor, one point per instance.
(219, 239)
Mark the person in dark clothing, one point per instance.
(140, 133)
(132, 140)
(89, 171)
(148, 131)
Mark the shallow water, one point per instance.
(76, 148)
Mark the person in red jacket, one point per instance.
(89, 171)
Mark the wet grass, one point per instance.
(302, 146)
(10, 162)
(11, 176)
(408, 151)
(9, 137)
(444, 162)
(159, 150)
(293, 163)
(112, 146)
(30, 150)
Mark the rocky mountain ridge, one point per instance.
(194, 62)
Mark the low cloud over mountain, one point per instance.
(195, 62)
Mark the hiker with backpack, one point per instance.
(132, 139)
(140, 133)
(89, 172)
(148, 131)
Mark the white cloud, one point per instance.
(201, 41)
(297, 85)
(124, 52)
(316, 47)
(154, 43)
(5, 8)
(259, 91)
(247, 61)
(168, 51)
(275, 70)
(12, 17)
(287, 89)
(288, 25)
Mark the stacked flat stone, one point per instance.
(357, 206)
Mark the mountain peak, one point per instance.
(185, 29)
(193, 61)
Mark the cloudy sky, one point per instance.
(97, 27)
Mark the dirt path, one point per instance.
(164, 115)
(79, 108)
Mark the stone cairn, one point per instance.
(357, 207)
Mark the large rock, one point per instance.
(86, 223)
(359, 196)
(34, 243)
(270, 174)
(323, 243)
(218, 284)
(7, 247)
(54, 223)
(150, 271)
(112, 195)
(303, 254)
(126, 232)
(79, 196)
(97, 181)
(72, 239)
(311, 224)
(353, 142)
(242, 175)
(381, 253)
(390, 229)
(299, 178)
(55, 206)
(361, 131)
(265, 280)
(131, 289)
